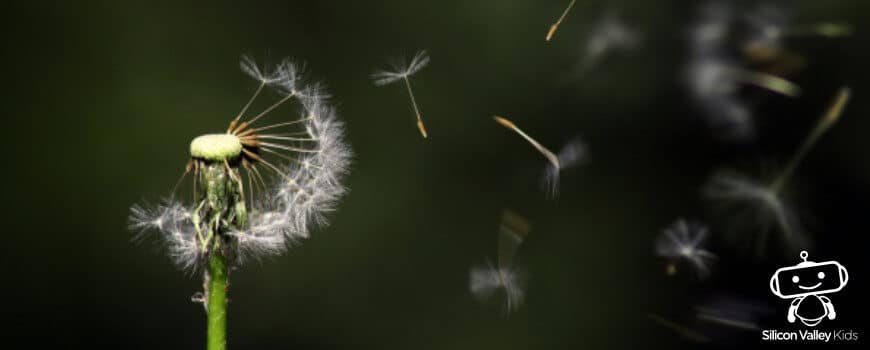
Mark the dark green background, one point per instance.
(100, 100)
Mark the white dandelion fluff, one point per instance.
(504, 279)
(573, 153)
(767, 27)
(610, 35)
(486, 281)
(281, 178)
(714, 76)
(684, 240)
(757, 207)
(402, 70)
(709, 33)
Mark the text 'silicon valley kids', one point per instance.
(805, 283)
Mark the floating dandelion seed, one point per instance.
(709, 33)
(683, 331)
(714, 78)
(401, 71)
(486, 281)
(573, 153)
(227, 224)
(755, 208)
(732, 312)
(610, 34)
(827, 29)
(683, 241)
(765, 203)
(714, 84)
(555, 25)
(768, 26)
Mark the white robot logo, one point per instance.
(805, 283)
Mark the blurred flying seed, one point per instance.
(831, 116)
(831, 30)
(571, 154)
(680, 329)
(768, 81)
(609, 35)
(732, 312)
(769, 27)
(684, 240)
(503, 278)
(552, 158)
(511, 233)
(730, 322)
(555, 25)
(765, 202)
(714, 73)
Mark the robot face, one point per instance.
(808, 278)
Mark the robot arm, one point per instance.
(829, 307)
(792, 309)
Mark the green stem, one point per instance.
(224, 210)
(217, 301)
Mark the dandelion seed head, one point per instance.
(401, 69)
(683, 240)
(298, 175)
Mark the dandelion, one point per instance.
(256, 188)
(401, 71)
(573, 153)
(764, 203)
(683, 241)
(486, 281)
(609, 35)
(555, 25)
